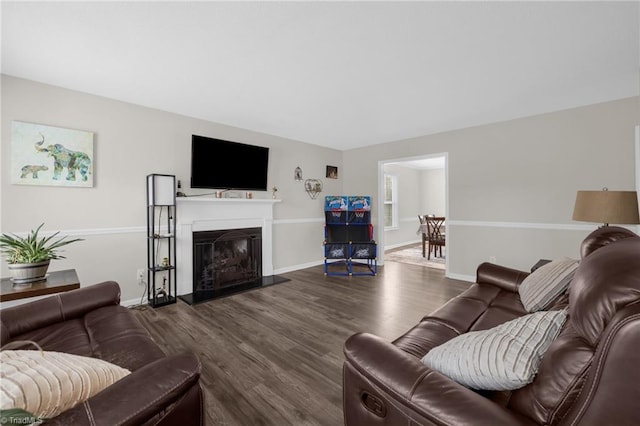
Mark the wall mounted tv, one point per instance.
(220, 164)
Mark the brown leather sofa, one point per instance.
(590, 375)
(161, 390)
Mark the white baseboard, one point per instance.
(126, 303)
(404, 243)
(297, 267)
(461, 277)
(136, 302)
(133, 302)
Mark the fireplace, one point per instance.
(226, 261)
(204, 214)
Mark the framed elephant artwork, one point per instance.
(54, 156)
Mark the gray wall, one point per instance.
(512, 184)
(433, 192)
(131, 142)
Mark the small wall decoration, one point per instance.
(313, 187)
(46, 155)
(332, 172)
(297, 174)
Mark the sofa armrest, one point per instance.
(408, 390)
(500, 276)
(139, 396)
(60, 307)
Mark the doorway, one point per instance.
(408, 187)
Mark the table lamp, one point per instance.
(620, 207)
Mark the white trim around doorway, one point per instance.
(380, 218)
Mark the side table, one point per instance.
(54, 282)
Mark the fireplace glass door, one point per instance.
(226, 258)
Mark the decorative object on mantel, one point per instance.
(313, 187)
(332, 172)
(273, 192)
(620, 207)
(46, 155)
(29, 257)
(297, 174)
(180, 193)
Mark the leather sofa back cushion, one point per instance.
(61, 307)
(602, 237)
(607, 280)
(47, 383)
(546, 283)
(502, 358)
(560, 379)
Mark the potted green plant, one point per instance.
(28, 257)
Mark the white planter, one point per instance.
(22, 273)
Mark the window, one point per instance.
(390, 201)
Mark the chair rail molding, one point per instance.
(523, 225)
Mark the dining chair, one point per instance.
(435, 235)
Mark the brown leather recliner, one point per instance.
(161, 390)
(590, 375)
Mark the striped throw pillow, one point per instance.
(502, 358)
(48, 383)
(546, 283)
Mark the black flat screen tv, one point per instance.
(221, 164)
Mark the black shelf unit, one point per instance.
(349, 247)
(161, 240)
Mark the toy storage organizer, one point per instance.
(349, 248)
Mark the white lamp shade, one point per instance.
(161, 190)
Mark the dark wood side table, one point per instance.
(55, 282)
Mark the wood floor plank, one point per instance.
(273, 356)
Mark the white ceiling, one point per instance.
(337, 74)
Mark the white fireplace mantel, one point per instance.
(196, 214)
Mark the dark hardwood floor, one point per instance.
(273, 356)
